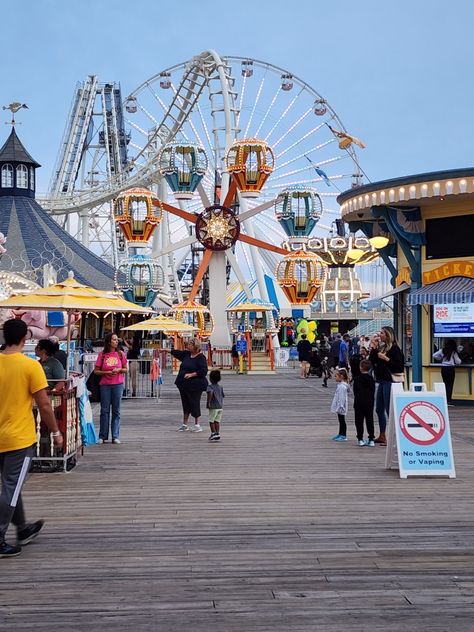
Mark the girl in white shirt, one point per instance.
(448, 356)
(339, 403)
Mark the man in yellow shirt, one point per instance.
(22, 380)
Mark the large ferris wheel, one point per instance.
(112, 144)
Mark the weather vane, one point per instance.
(14, 107)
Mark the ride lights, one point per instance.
(137, 212)
(379, 241)
(183, 165)
(298, 209)
(195, 314)
(250, 162)
(300, 275)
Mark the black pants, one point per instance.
(366, 414)
(191, 401)
(342, 425)
(447, 375)
(14, 467)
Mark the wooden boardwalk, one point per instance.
(275, 528)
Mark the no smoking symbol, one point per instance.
(422, 423)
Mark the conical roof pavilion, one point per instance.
(34, 239)
(13, 151)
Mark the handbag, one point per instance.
(398, 377)
(93, 385)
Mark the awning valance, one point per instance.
(453, 290)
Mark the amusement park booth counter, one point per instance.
(430, 220)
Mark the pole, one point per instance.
(68, 340)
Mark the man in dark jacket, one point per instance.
(335, 346)
(364, 396)
(304, 355)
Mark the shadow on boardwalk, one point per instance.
(274, 528)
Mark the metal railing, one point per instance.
(142, 379)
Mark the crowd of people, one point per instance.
(369, 365)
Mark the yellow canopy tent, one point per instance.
(71, 296)
(161, 323)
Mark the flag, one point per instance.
(320, 172)
(346, 139)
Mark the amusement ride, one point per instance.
(214, 171)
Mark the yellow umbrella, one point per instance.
(252, 307)
(71, 296)
(161, 323)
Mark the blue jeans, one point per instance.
(382, 403)
(110, 396)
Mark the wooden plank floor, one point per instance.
(274, 528)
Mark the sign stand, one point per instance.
(419, 436)
(241, 348)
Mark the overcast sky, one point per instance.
(399, 74)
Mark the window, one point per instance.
(21, 177)
(7, 176)
(32, 179)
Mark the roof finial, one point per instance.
(14, 107)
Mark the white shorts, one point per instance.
(215, 415)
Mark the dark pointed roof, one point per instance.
(34, 239)
(13, 151)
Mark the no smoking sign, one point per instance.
(422, 422)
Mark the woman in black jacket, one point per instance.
(387, 360)
(191, 382)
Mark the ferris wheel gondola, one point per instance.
(212, 102)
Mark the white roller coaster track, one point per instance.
(200, 70)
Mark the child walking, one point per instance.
(364, 397)
(215, 404)
(339, 403)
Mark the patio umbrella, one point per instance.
(71, 296)
(165, 324)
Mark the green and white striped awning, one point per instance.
(453, 290)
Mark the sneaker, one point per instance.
(371, 444)
(361, 443)
(116, 441)
(324, 385)
(9, 550)
(217, 437)
(340, 438)
(183, 428)
(197, 428)
(29, 532)
(336, 437)
(100, 441)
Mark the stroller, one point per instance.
(326, 372)
(315, 364)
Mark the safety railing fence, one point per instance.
(145, 375)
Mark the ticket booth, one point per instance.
(429, 220)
